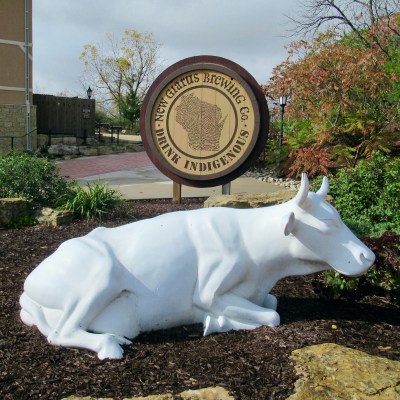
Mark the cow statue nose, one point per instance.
(367, 257)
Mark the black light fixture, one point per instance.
(282, 103)
(89, 92)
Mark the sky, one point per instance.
(252, 33)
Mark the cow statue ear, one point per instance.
(287, 223)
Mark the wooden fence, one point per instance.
(65, 116)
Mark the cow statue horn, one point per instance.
(302, 194)
(323, 190)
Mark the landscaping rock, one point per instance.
(250, 200)
(215, 393)
(134, 147)
(104, 150)
(68, 140)
(12, 209)
(269, 175)
(42, 140)
(63, 150)
(91, 141)
(330, 371)
(86, 398)
(49, 216)
(91, 148)
(116, 149)
(88, 151)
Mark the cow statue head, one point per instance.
(322, 237)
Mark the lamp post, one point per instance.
(89, 92)
(282, 103)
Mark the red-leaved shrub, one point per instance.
(311, 160)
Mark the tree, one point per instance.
(123, 72)
(361, 17)
(130, 108)
(341, 95)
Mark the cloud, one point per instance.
(251, 33)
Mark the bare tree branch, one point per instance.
(357, 16)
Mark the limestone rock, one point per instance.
(330, 371)
(152, 397)
(117, 149)
(49, 216)
(133, 147)
(91, 141)
(42, 140)
(88, 151)
(67, 140)
(250, 200)
(104, 150)
(214, 393)
(12, 209)
(86, 398)
(63, 150)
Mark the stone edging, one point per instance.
(67, 151)
(267, 175)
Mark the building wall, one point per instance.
(12, 128)
(13, 109)
(12, 51)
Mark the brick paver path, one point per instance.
(83, 167)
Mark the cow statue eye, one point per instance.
(330, 223)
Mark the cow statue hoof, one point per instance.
(112, 347)
(214, 265)
(224, 324)
(106, 345)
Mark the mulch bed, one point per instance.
(250, 364)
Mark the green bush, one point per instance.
(92, 201)
(370, 191)
(383, 278)
(367, 198)
(385, 274)
(35, 179)
(275, 157)
(20, 222)
(368, 195)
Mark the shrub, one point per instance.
(385, 274)
(312, 160)
(383, 278)
(20, 222)
(35, 179)
(92, 201)
(368, 195)
(274, 158)
(368, 198)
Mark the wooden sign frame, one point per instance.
(204, 121)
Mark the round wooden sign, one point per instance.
(204, 121)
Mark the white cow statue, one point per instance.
(214, 265)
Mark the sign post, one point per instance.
(176, 193)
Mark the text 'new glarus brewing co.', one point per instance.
(203, 122)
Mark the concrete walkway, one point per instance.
(137, 178)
